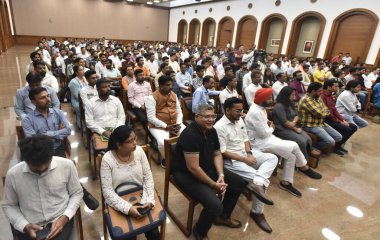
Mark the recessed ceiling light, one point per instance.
(156, 1)
(130, 0)
(149, 2)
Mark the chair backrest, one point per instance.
(186, 105)
(124, 98)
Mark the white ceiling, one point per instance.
(168, 3)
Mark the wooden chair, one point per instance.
(186, 229)
(369, 105)
(146, 149)
(186, 106)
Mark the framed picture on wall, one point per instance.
(275, 42)
(308, 46)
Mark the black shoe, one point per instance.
(89, 200)
(261, 221)
(197, 236)
(290, 189)
(230, 222)
(340, 148)
(338, 152)
(259, 193)
(311, 173)
(163, 163)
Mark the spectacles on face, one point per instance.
(208, 117)
(133, 140)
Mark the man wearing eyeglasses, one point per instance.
(199, 171)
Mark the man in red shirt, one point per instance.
(337, 58)
(335, 120)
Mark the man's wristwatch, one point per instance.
(249, 152)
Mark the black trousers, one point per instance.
(64, 235)
(153, 234)
(141, 116)
(213, 207)
(345, 131)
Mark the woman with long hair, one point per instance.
(285, 118)
(268, 78)
(76, 84)
(126, 162)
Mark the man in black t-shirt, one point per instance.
(199, 171)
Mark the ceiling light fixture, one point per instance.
(156, 1)
(149, 2)
(130, 0)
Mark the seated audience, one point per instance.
(253, 87)
(285, 118)
(229, 91)
(240, 158)
(48, 79)
(41, 189)
(164, 114)
(104, 112)
(201, 95)
(297, 85)
(126, 162)
(183, 79)
(164, 67)
(140, 65)
(128, 78)
(279, 84)
(312, 113)
(110, 73)
(229, 73)
(260, 133)
(198, 170)
(89, 91)
(198, 80)
(239, 76)
(319, 75)
(175, 88)
(348, 104)
(335, 119)
(23, 104)
(268, 78)
(76, 84)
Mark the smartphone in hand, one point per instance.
(142, 211)
(41, 235)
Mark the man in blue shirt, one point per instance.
(201, 95)
(23, 105)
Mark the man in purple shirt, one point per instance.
(298, 85)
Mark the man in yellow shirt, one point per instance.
(320, 75)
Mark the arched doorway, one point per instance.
(182, 31)
(306, 34)
(246, 32)
(352, 32)
(272, 33)
(225, 31)
(208, 32)
(194, 31)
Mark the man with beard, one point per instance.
(298, 85)
(48, 79)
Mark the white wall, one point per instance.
(330, 9)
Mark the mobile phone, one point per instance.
(142, 211)
(41, 235)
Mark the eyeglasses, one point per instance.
(208, 117)
(133, 140)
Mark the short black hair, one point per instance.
(207, 79)
(138, 59)
(138, 71)
(36, 150)
(329, 83)
(314, 86)
(118, 136)
(35, 91)
(199, 68)
(33, 77)
(163, 79)
(295, 73)
(230, 102)
(100, 82)
(36, 63)
(352, 84)
(163, 65)
(88, 73)
(33, 54)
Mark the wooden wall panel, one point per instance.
(225, 31)
(246, 32)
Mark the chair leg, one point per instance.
(190, 215)
(79, 224)
(105, 233)
(163, 230)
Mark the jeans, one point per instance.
(213, 207)
(355, 119)
(327, 136)
(363, 99)
(345, 131)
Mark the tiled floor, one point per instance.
(343, 205)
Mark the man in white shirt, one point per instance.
(100, 66)
(240, 158)
(260, 133)
(229, 91)
(173, 63)
(110, 73)
(152, 65)
(48, 79)
(89, 91)
(279, 84)
(115, 59)
(374, 74)
(83, 53)
(46, 55)
(291, 69)
(41, 189)
(253, 87)
(183, 79)
(347, 59)
(247, 80)
(60, 61)
(104, 111)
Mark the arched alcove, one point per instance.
(225, 31)
(208, 32)
(246, 31)
(182, 31)
(272, 33)
(194, 31)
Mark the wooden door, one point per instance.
(182, 31)
(246, 32)
(353, 36)
(226, 30)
